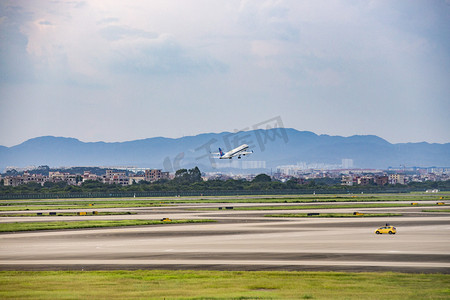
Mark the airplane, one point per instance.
(239, 151)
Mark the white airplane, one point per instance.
(239, 151)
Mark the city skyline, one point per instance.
(129, 71)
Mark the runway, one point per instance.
(239, 240)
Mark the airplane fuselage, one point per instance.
(241, 150)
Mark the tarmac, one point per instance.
(238, 240)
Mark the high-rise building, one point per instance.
(347, 163)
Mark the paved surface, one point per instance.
(239, 240)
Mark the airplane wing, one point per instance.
(245, 153)
(214, 154)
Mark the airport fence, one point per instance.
(200, 193)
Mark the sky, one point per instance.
(117, 71)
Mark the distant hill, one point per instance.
(271, 147)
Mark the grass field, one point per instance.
(437, 210)
(54, 225)
(68, 214)
(63, 205)
(160, 284)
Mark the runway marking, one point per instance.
(227, 262)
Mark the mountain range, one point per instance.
(272, 147)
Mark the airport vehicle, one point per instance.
(386, 229)
(239, 151)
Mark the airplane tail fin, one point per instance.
(220, 152)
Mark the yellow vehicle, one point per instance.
(386, 229)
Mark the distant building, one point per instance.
(37, 178)
(24, 179)
(347, 163)
(347, 180)
(155, 175)
(397, 179)
(71, 179)
(12, 180)
(89, 176)
(365, 180)
(136, 179)
(113, 177)
(381, 180)
(251, 164)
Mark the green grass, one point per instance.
(65, 214)
(63, 205)
(436, 210)
(31, 226)
(88, 203)
(158, 284)
(332, 215)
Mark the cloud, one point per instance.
(15, 64)
(267, 20)
(140, 52)
(362, 61)
(98, 49)
(109, 20)
(43, 22)
(117, 32)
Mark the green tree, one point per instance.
(195, 175)
(55, 185)
(184, 176)
(262, 178)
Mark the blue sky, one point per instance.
(119, 71)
